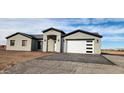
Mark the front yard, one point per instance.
(66, 64)
(8, 58)
(113, 52)
(59, 63)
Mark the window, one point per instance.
(89, 48)
(89, 51)
(24, 42)
(12, 42)
(89, 44)
(89, 41)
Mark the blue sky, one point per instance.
(112, 29)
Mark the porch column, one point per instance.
(44, 43)
(58, 42)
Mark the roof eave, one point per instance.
(53, 29)
(100, 36)
(20, 34)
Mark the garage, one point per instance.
(76, 46)
(80, 46)
(82, 42)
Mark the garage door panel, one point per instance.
(76, 46)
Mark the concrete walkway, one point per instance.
(118, 60)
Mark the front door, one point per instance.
(51, 45)
(39, 45)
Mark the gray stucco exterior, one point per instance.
(52, 40)
(83, 36)
(47, 42)
(18, 43)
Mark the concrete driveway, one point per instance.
(45, 65)
(89, 58)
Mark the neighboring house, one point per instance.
(54, 40)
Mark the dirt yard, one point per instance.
(113, 52)
(8, 58)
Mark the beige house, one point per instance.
(55, 40)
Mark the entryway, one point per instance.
(51, 43)
(39, 45)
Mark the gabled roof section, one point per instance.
(53, 29)
(37, 37)
(82, 31)
(26, 35)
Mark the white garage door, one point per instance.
(76, 46)
(80, 46)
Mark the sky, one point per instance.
(112, 29)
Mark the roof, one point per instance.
(53, 29)
(38, 37)
(86, 32)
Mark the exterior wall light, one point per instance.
(97, 41)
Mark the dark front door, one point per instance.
(39, 45)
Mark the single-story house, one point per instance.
(55, 40)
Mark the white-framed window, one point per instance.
(12, 42)
(89, 51)
(24, 42)
(89, 48)
(89, 44)
(89, 41)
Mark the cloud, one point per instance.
(4, 33)
(113, 39)
(111, 29)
